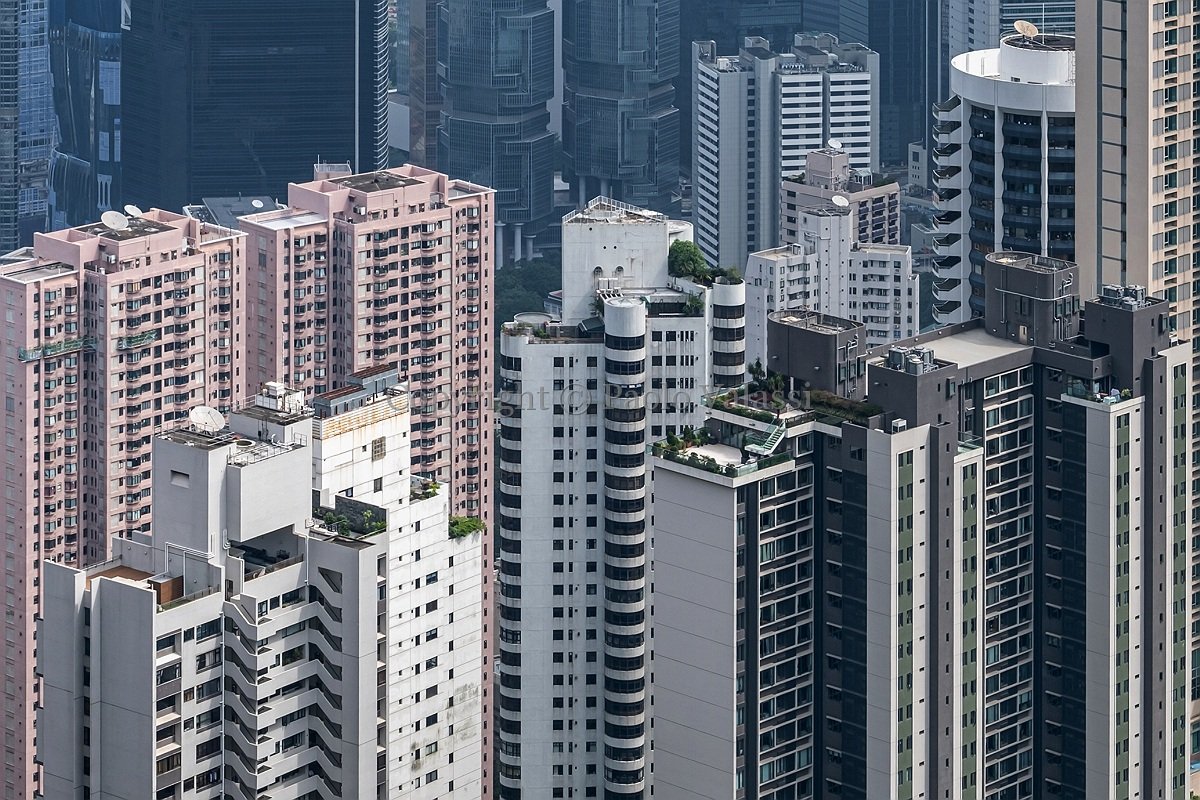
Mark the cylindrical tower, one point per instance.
(625, 549)
(1004, 165)
(729, 333)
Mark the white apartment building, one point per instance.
(756, 117)
(829, 271)
(1004, 164)
(262, 641)
(630, 358)
(827, 174)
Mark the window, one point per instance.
(208, 749)
(378, 449)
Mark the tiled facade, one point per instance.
(108, 336)
(394, 268)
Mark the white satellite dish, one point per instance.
(834, 144)
(114, 220)
(1026, 28)
(840, 202)
(206, 419)
(256, 203)
(133, 210)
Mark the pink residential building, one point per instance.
(389, 268)
(385, 268)
(108, 336)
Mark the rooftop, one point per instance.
(288, 218)
(814, 321)
(376, 181)
(968, 348)
(138, 227)
(119, 571)
(607, 210)
(35, 270)
(224, 211)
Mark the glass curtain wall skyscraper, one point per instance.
(222, 96)
(85, 61)
(620, 125)
(496, 59)
(26, 119)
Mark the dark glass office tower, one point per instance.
(905, 34)
(620, 127)
(424, 88)
(728, 22)
(497, 64)
(223, 96)
(85, 60)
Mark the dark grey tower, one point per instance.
(497, 67)
(424, 89)
(620, 125)
(221, 95)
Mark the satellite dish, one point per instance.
(256, 203)
(834, 144)
(206, 419)
(840, 202)
(133, 210)
(114, 220)
(1026, 28)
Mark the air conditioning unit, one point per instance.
(899, 425)
(360, 209)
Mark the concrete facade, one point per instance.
(827, 174)
(109, 335)
(1004, 164)
(948, 590)
(579, 399)
(261, 642)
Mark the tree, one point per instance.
(685, 260)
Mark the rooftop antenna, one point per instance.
(1027, 28)
(840, 202)
(133, 210)
(256, 203)
(834, 144)
(206, 419)
(114, 220)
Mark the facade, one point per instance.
(387, 268)
(497, 76)
(27, 110)
(903, 33)
(424, 88)
(1134, 222)
(992, 509)
(756, 116)
(1004, 165)
(219, 96)
(110, 335)
(258, 633)
(827, 269)
(620, 127)
(827, 174)
(630, 357)
(85, 64)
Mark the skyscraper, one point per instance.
(497, 68)
(1004, 165)
(1135, 222)
(111, 333)
(757, 116)
(85, 61)
(424, 87)
(220, 96)
(728, 23)
(267, 637)
(962, 588)
(902, 32)
(627, 359)
(26, 121)
(620, 131)
(391, 268)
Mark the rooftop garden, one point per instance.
(462, 527)
(684, 260)
(423, 489)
